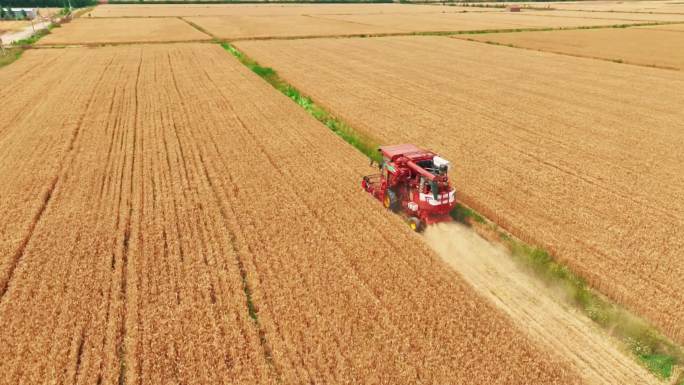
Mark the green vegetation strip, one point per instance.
(361, 142)
(651, 348)
(34, 38)
(12, 53)
(9, 55)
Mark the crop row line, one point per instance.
(228, 214)
(47, 196)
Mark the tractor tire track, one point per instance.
(6, 278)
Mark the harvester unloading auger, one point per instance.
(413, 182)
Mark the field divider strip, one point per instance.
(197, 27)
(619, 61)
(14, 51)
(362, 142)
(452, 3)
(449, 33)
(112, 44)
(211, 38)
(218, 39)
(647, 345)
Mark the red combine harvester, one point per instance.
(414, 182)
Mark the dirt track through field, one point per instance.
(535, 308)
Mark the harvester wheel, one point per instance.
(390, 201)
(415, 224)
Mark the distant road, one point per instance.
(11, 37)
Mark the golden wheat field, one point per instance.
(652, 46)
(249, 21)
(145, 198)
(626, 16)
(633, 6)
(256, 27)
(568, 153)
(262, 27)
(124, 30)
(473, 21)
(176, 209)
(182, 10)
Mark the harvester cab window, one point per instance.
(427, 164)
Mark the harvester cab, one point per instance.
(414, 183)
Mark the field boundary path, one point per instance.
(645, 46)
(27, 32)
(543, 314)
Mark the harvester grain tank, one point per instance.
(413, 182)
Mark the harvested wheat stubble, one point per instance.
(568, 153)
(247, 27)
(626, 16)
(173, 192)
(470, 21)
(650, 47)
(128, 30)
(250, 27)
(670, 6)
(269, 9)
